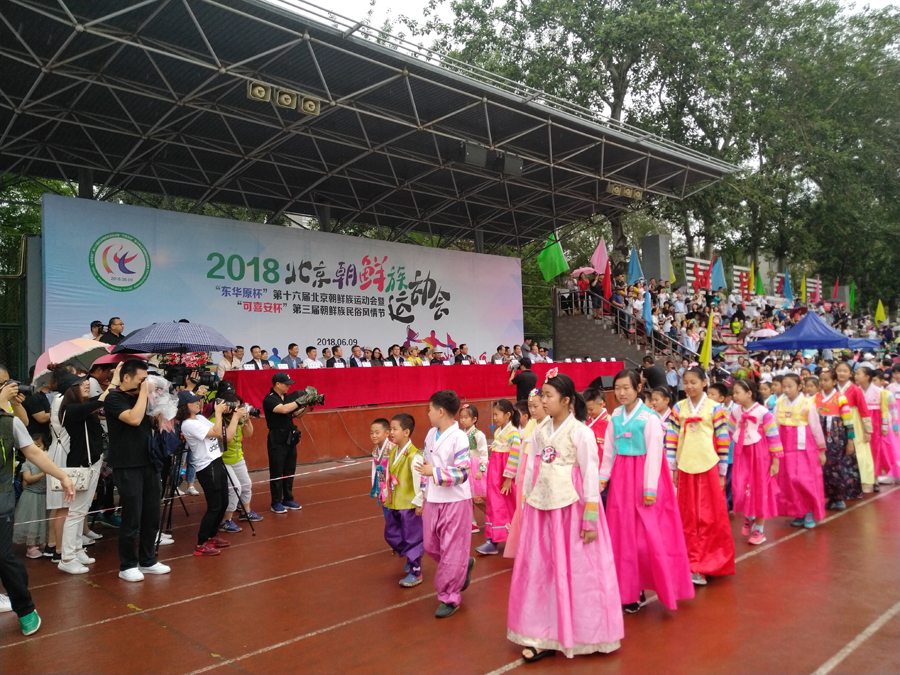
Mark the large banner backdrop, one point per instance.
(268, 285)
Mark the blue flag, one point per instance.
(647, 314)
(786, 291)
(717, 277)
(635, 273)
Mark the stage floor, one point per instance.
(316, 592)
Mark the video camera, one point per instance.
(234, 405)
(24, 389)
(180, 374)
(308, 397)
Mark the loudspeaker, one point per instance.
(614, 188)
(310, 106)
(258, 91)
(628, 192)
(474, 155)
(638, 194)
(285, 99)
(507, 164)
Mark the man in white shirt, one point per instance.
(256, 360)
(535, 354)
(228, 362)
(311, 361)
(96, 331)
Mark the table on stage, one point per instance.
(347, 387)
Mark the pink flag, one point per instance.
(598, 260)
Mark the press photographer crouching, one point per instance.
(280, 409)
(203, 438)
(235, 464)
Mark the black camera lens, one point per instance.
(24, 389)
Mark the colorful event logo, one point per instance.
(119, 261)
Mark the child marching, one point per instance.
(564, 595)
(447, 513)
(478, 455)
(862, 424)
(538, 417)
(841, 472)
(402, 496)
(380, 435)
(757, 452)
(697, 449)
(800, 479)
(501, 493)
(641, 510)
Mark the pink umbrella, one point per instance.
(764, 333)
(80, 352)
(584, 270)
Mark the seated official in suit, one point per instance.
(338, 353)
(256, 360)
(357, 360)
(292, 360)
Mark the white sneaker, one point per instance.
(192, 491)
(166, 542)
(155, 568)
(84, 558)
(5, 604)
(132, 574)
(87, 541)
(166, 535)
(93, 535)
(886, 480)
(72, 567)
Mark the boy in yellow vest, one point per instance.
(403, 495)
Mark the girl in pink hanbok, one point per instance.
(478, 455)
(800, 479)
(564, 595)
(757, 451)
(538, 417)
(878, 401)
(641, 510)
(501, 473)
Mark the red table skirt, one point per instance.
(345, 387)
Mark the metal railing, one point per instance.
(593, 307)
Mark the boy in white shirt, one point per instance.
(447, 513)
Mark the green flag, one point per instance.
(760, 289)
(551, 260)
(852, 296)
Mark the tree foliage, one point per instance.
(802, 95)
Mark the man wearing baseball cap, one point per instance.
(280, 410)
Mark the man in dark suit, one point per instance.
(338, 353)
(463, 356)
(357, 360)
(256, 360)
(395, 358)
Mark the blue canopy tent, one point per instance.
(864, 343)
(809, 333)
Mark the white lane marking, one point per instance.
(854, 644)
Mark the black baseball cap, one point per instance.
(67, 381)
(185, 397)
(281, 378)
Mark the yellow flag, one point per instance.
(706, 351)
(803, 289)
(880, 316)
(752, 285)
(671, 274)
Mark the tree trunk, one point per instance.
(619, 259)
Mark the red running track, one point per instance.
(316, 592)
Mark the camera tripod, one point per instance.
(170, 491)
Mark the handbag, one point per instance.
(79, 475)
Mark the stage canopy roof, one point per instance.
(154, 96)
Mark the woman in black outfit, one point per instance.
(79, 415)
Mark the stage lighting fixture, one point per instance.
(626, 191)
(258, 91)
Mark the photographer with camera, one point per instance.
(280, 409)
(134, 475)
(233, 457)
(204, 440)
(523, 378)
